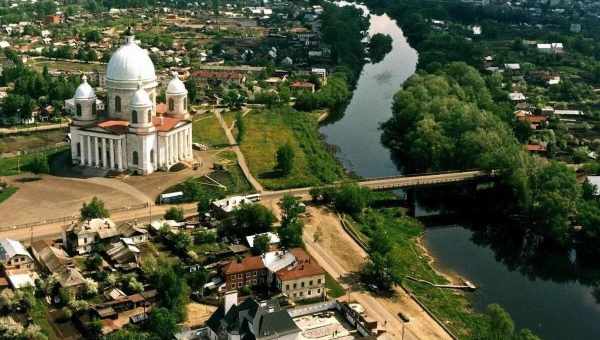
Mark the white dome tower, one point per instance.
(141, 111)
(85, 104)
(177, 98)
(129, 65)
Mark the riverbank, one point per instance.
(450, 306)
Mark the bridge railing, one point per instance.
(420, 174)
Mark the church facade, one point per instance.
(130, 136)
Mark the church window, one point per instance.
(171, 104)
(134, 117)
(78, 149)
(185, 103)
(135, 158)
(78, 109)
(94, 108)
(117, 104)
(149, 116)
(152, 156)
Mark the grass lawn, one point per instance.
(62, 65)
(29, 141)
(207, 130)
(267, 130)
(452, 307)
(10, 166)
(334, 289)
(6, 193)
(40, 316)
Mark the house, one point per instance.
(227, 205)
(218, 77)
(124, 254)
(251, 320)
(135, 233)
(536, 148)
(535, 121)
(298, 86)
(14, 257)
(512, 68)
(249, 271)
(517, 97)
(568, 113)
(80, 237)
(60, 265)
(273, 238)
(304, 279)
(550, 48)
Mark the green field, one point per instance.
(207, 130)
(267, 130)
(11, 166)
(61, 65)
(29, 141)
(6, 193)
(334, 289)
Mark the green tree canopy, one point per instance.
(94, 209)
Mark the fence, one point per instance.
(66, 219)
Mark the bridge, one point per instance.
(401, 181)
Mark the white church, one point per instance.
(131, 136)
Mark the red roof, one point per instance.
(161, 108)
(305, 266)
(164, 124)
(536, 148)
(533, 119)
(302, 85)
(247, 264)
(221, 75)
(116, 126)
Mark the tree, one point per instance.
(233, 99)
(93, 262)
(352, 199)
(163, 323)
(501, 324)
(94, 209)
(172, 290)
(191, 86)
(379, 45)
(196, 280)
(39, 164)
(174, 213)
(290, 234)
(204, 203)
(261, 244)
(241, 127)
(382, 269)
(248, 219)
(291, 207)
(285, 159)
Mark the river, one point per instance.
(553, 309)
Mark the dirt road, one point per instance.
(341, 257)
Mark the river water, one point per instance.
(563, 309)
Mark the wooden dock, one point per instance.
(467, 285)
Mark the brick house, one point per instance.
(249, 271)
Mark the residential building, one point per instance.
(251, 320)
(249, 271)
(59, 265)
(304, 279)
(14, 257)
(80, 237)
(134, 232)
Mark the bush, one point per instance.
(174, 213)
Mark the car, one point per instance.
(403, 317)
(373, 287)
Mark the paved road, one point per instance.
(54, 230)
(240, 156)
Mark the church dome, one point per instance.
(130, 63)
(176, 86)
(141, 98)
(84, 90)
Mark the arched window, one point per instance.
(149, 116)
(171, 104)
(135, 158)
(94, 108)
(117, 104)
(152, 156)
(78, 149)
(134, 117)
(78, 109)
(185, 103)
